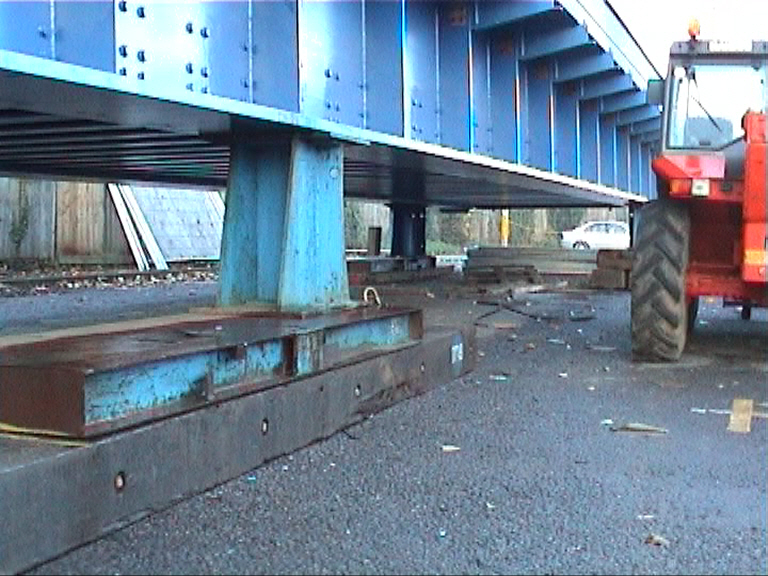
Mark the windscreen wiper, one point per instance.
(711, 118)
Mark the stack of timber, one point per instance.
(498, 264)
(613, 270)
(385, 269)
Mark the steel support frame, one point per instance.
(490, 14)
(409, 226)
(97, 383)
(554, 42)
(611, 82)
(283, 236)
(96, 487)
(622, 101)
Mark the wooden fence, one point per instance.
(63, 222)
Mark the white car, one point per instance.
(597, 235)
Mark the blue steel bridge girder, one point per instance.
(589, 139)
(606, 84)
(623, 101)
(567, 134)
(635, 163)
(543, 44)
(577, 67)
(333, 61)
(607, 150)
(570, 131)
(495, 13)
(651, 126)
(538, 111)
(636, 115)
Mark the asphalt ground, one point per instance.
(520, 467)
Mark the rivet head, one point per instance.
(141, 56)
(205, 33)
(122, 6)
(140, 75)
(189, 27)
(204, 72)
(123, 72)
(190, 86)
(123, 50)
(189, 67)
(140, 12)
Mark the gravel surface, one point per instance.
(514, 468)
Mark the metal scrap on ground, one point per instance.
(656, 540)
(638, 427)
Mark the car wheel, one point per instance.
(581, 245)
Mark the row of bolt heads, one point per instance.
(142, 13)
(142, 57)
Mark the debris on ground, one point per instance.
(563, 374)
(450, 448)
(741, 415)
(499, 377)
(582, 315)
(39, 279)
(598, 348)
(656, 540)
(638, 427)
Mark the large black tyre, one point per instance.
(659, 262)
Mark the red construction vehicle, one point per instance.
(706, 233)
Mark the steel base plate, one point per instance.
(57, 495)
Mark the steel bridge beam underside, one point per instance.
(461, 105)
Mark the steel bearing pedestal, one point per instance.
(103, 425)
